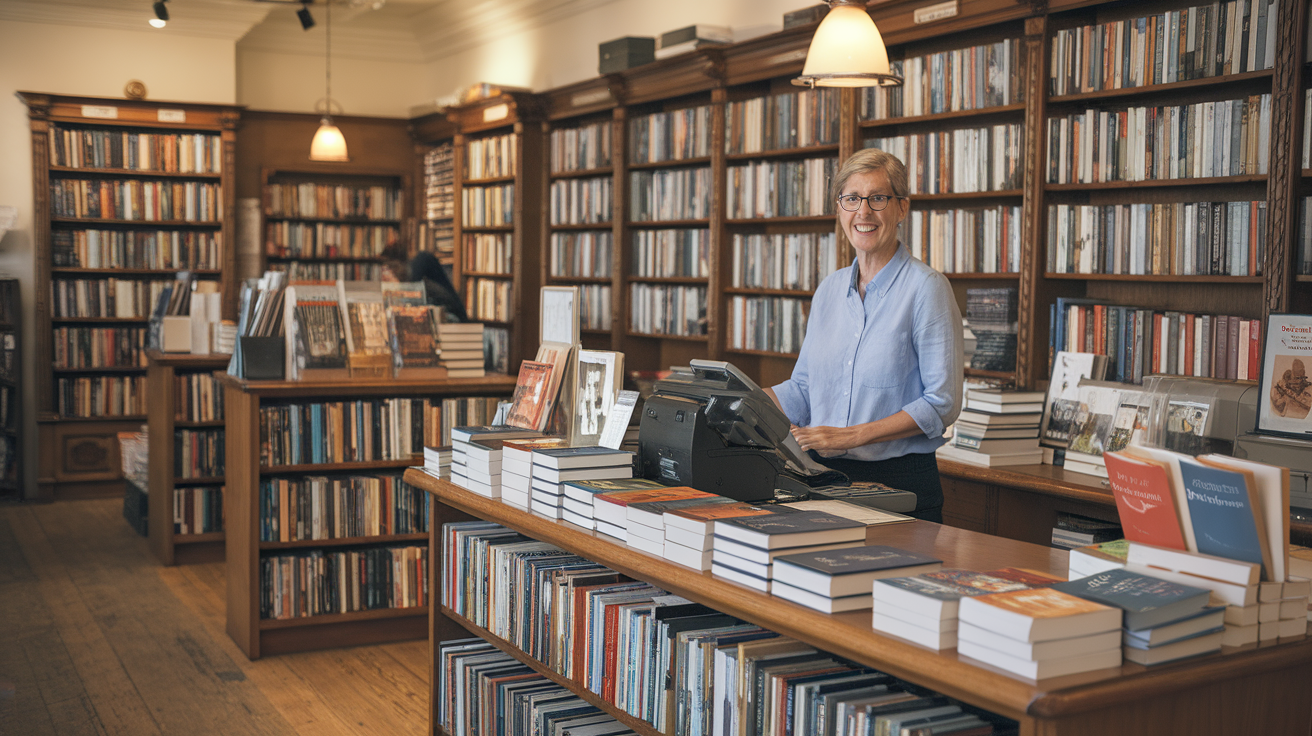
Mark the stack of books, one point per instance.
(1039, 633)
(745, 547)
(437, 460)
(689, 530)
(476, 457)
(580, 498)
(553, 466)
(1097, 558)
(997, 427)
(610, 511)
(461, 347)
(923, 608)
(517, 467)
(1074, 531)
(1163, 621)
(644, 521)
(840, 580)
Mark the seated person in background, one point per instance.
(425, 267)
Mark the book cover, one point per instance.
(369, 333)
(581, 457)
(795, 529)
(414, 336)
(1059, 409)
(1145, 500)
(1025, 576)
(857, 560)
(598, 379)
(1225, 513)
(614, 485)
(1146, 600)
(1040, 603)
(1129, 423)
(1097, 404)
(528, 405)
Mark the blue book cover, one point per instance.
(1221, 508)
(1147, 601)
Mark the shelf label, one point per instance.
(937, 11)
(798, 55)
(496, 112)
(100, 111)
(588, 98)
(172, 116)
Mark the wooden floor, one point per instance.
(97, 638)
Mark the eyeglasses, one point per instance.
(877, 202)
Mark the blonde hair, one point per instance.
(869, 160)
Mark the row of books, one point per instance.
(197, 397)
(100, 396)
(670, 194)
(1141, 342)
(584, 148)
(1205, 139)
(198, 453)
(98, 148)
(488, 299)
(122, 298)
(585, 253)
(594, 306)
(658, 309)
(302, 271)
(347, 431)
(987, 75)
(439, 182)
(991, 315)
(464, 411)
(161, 249)
(340, 507)
(988, 159)
(334, 201)
(773, 323)
(985, 240)
(580, 201)
(98, 347)
(320, 582)
(326, 240)
(789, 120)
(670, 136)
(438, 236)
(797, 261)
(197, 509)
(1178, 238)
(1212, 40)
(671, 253)
(494, 156)
(135, 200)
(488, 252)
(488, 206)
(780, 189)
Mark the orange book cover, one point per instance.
(673, 493)
(528, 405)
(1040, 603)
(1145, 500)
(1187, 335)
(713, 511)
(1032, 578)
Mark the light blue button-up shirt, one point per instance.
(899, 349)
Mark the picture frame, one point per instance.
(559, 315)
(1284, 400)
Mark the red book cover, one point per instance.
(611, 633)
(1255, 350)
(1144, 500)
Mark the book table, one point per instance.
(1245, 690)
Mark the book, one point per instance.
(1225, 512)
(612, 507)
(1145, 500)
(562, 458)
(552, 475)
(529, 404)
(962, 455)
(1038, 614)
(1272, 485)
(764, 558)
(1236, 572)
(819, 601)
(1140, 653)
(868, 515)
(414, 341)
(1204, 621)
(316, 339)
(1146, 601)
(899, 626)
(492, 432)
(652, 513)
(1062, 401)
(777, 531)
(1040, 650)
(1040, 669)
(938, 594)
(1097, 405)
(851, 570)
(599, 378)
(586, 491)
(997, 419)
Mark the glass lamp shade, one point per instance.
(328, 143)
(847, 51)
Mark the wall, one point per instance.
(293, 83)
(84, 61)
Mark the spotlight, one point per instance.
(161, 14)
(307, 20)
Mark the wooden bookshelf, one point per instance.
(162, 421)
(79, 455)
(13, 422)
(1237, 689)
(243, 401)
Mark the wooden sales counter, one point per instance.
(1249, 690)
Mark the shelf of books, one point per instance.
(12, 477)
(127, 194)
(609, 589)
(325, 545)
(184, 420)
(322, 226)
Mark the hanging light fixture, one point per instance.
(328, 143)
(161, 18)
(847, 50)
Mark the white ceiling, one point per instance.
(398, 30)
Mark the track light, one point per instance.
(161, 14)
(307, 20)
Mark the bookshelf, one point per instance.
(244, 402)
(1238, 686)
(12, 398)
(128, 192)
(185, 405)
(327, 223)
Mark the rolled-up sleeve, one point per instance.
(938, 345)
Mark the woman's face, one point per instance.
(867, 230)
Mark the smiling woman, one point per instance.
(879, 374)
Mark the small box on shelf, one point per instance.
(625, 53)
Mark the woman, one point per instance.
(880, 371)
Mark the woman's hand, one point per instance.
(828, 441)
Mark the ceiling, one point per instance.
(396, 30)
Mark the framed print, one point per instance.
(1285, 396)
(560, 314)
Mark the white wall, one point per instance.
(293, 83)
(84, 61)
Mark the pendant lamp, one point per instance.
(847, 50)
(328, 143)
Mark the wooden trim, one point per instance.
(1284, 165)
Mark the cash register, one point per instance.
(711, 427)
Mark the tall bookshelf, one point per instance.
(326, 222)
(247, 405)
(185, 423)
(12, 397)
(112, 180)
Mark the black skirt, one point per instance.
(917, 472)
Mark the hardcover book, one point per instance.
(1272, 485)
(790, 530)
(938, 594)
(849, 571)
(529, 404)
(500, 432)
(1039, 614)
(414, 342)
(1146, 601)
(587, 490)
(1145, 500)
(1225, 513)
(562, 458)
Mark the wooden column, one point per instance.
(1031, 342)
(1285, 167)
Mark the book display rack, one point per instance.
(263, 572)
(127, 193)
(1239, 688)
(184, 418)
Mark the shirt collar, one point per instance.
(883, 280)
